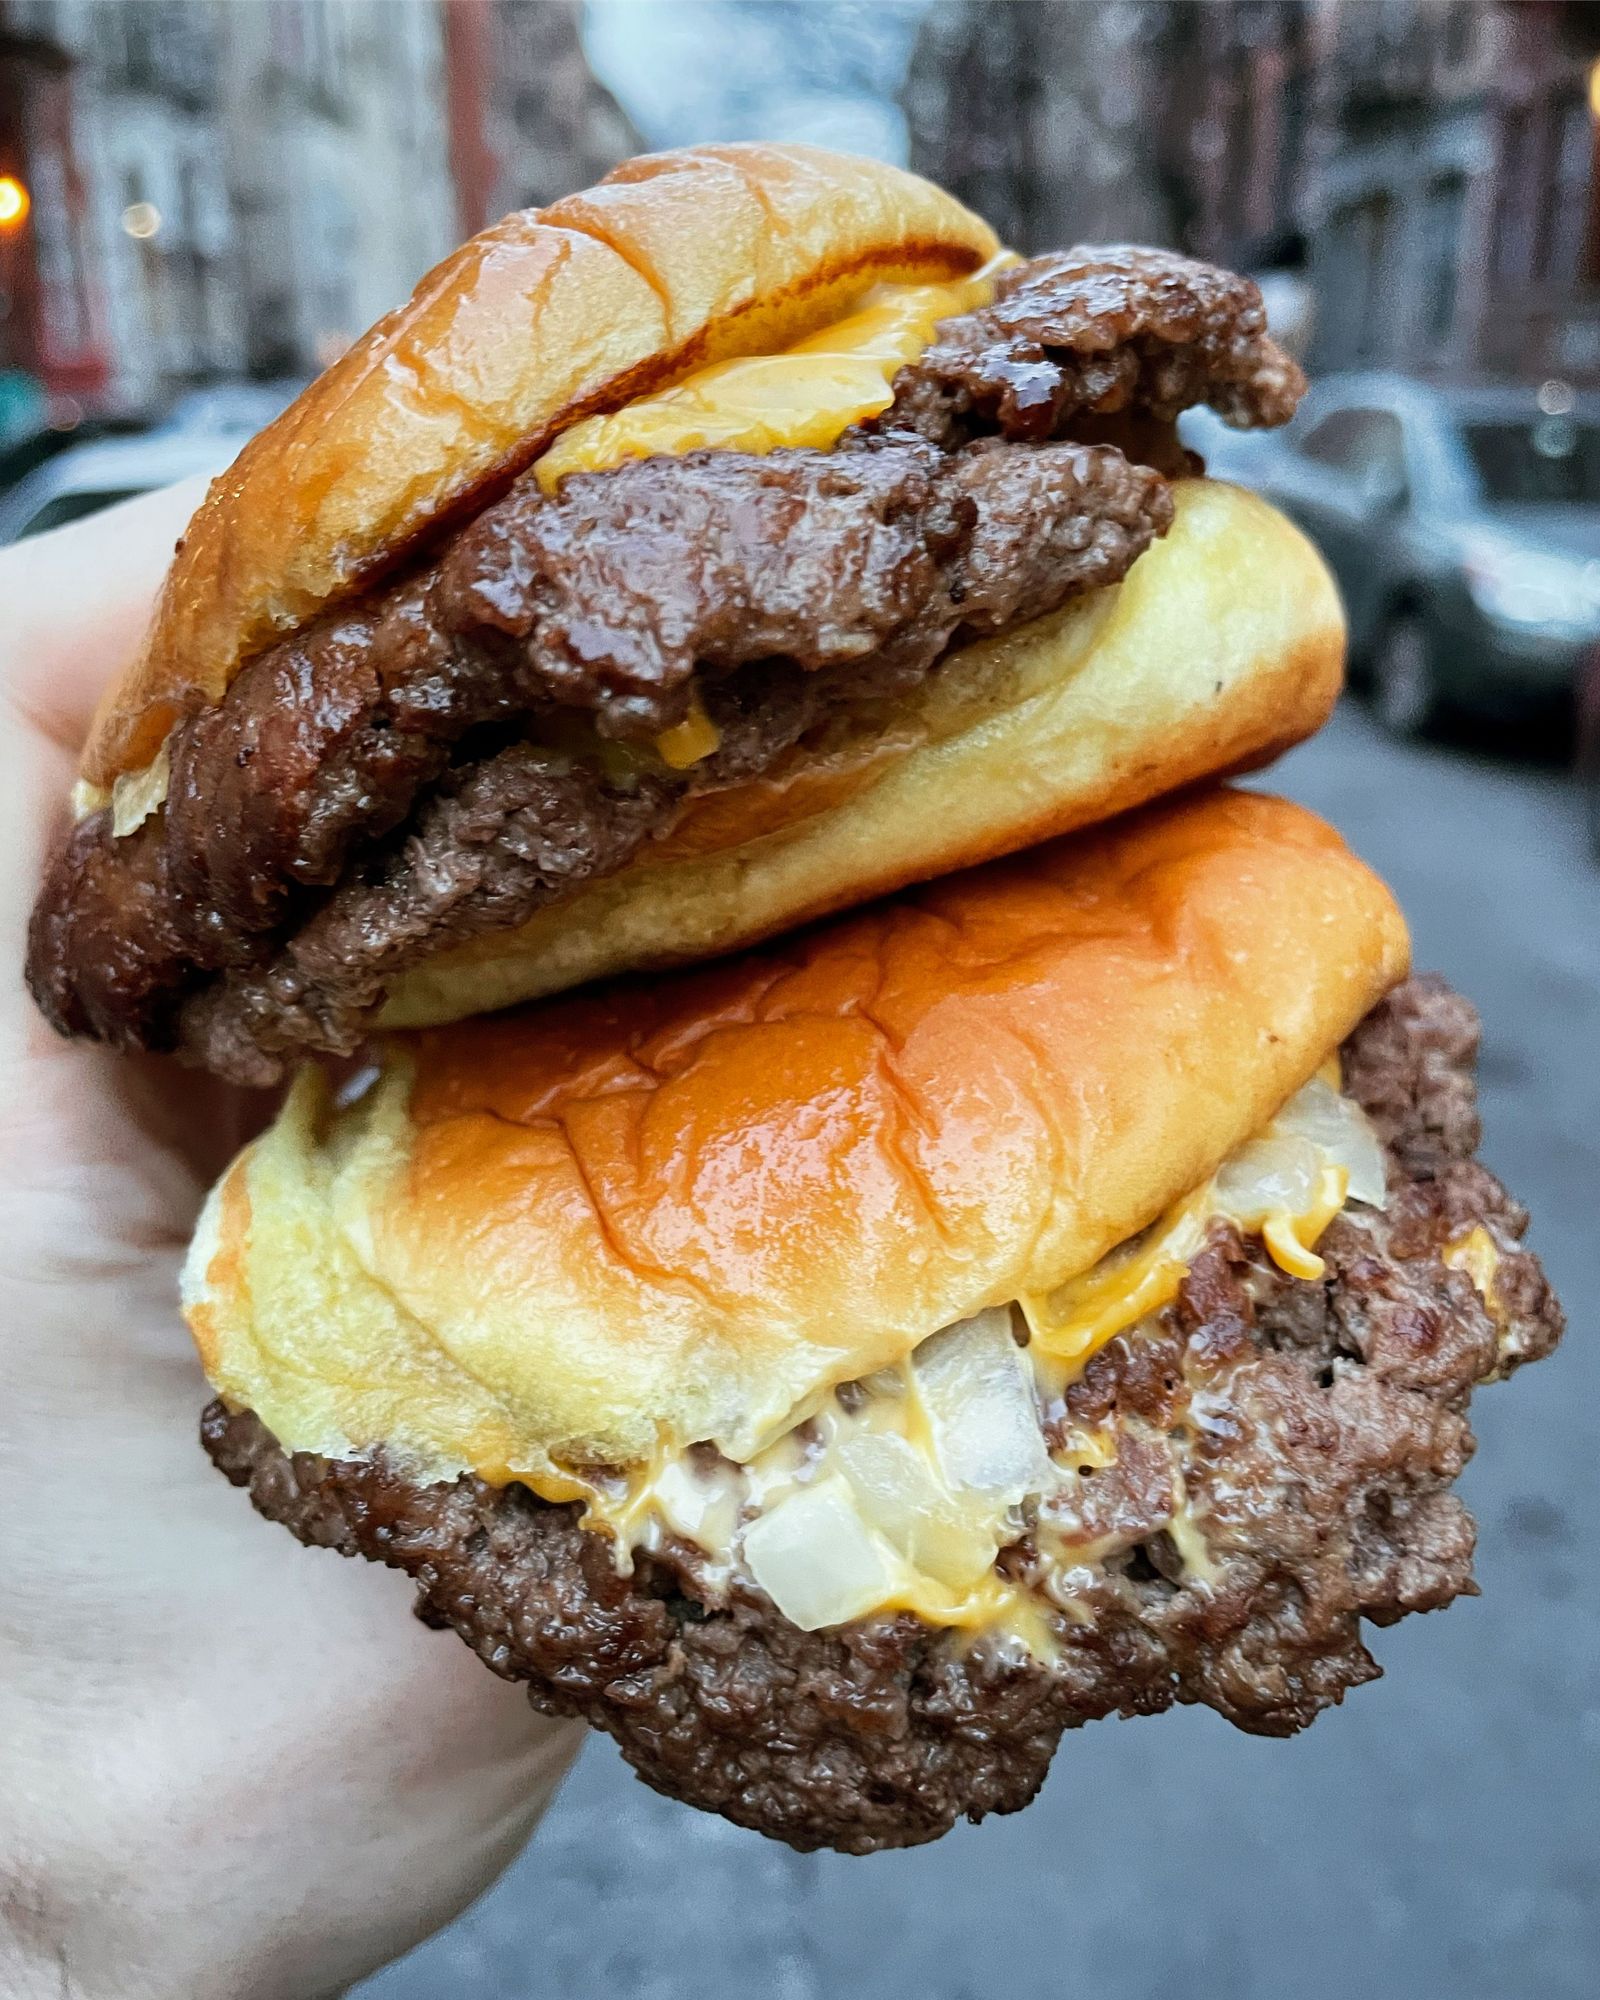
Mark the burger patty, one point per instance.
(1314, 1428)
(448, 753)
(1093, 332)
(811, 582)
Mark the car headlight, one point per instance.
(1536, 592)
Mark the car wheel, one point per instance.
(1405, 689)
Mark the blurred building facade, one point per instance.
(127, 253)
(1040, 116)
(1444, 180)
(1423, 170)
(337, 157)
(48, 329)
(530, 121)
(222, 190)
(239, 187)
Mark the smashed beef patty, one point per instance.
(1315, 1428)
(810, 582)
(444, 756)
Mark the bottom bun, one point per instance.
(677, 1210)
(1222, 647)
(1234, 1483)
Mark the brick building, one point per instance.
(51, 331)
(117, 129)
(1428, 166)
(529, 119)
(337, 166)
(1448, 195)
(239, 187)
(1039, 117)
(218, 190)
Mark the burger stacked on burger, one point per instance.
(838, 1365)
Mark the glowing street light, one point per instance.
(141, 220)
(15, 201)
(1594, 90)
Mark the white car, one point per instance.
(86, 477)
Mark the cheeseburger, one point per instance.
(730, 543)
(1056, 1291)
(836, 1370)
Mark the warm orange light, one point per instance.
(15, 201)
(1594, 90)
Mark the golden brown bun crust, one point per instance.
(1223, 646)
(674, 260)
(675, 1210)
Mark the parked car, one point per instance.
(237, 407)
(1245, 457)
(1589, 745)
(1463, 525)
(86, 477)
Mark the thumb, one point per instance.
(77, 603)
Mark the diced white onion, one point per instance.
(1267, 1177)
(701, 1504)
(817, 1559)
(1341, 1130)
(977, 1390)
(952, 1538)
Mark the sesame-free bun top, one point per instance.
(673, 261)
(674, 1211)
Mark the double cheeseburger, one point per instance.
(728, 544)
(838, 1368)
(1056, 1291)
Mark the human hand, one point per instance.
(228, 1765)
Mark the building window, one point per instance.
(1442, 219)
(1571, 197)
(1292, 111)
(1513, 222)
(1458, 37)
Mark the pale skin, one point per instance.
(229, 1766)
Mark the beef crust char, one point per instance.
(1097, 333)
(304, 855)
(1315, 1428)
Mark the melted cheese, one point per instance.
(1475, 1253)
(1074, 1322)
(687, 742)
(942, 1568)
(1289, 1236)
(806, 396)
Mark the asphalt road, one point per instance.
(1437, 1836)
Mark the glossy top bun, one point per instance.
(673, 261)
(675, 1211)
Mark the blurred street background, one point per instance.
(202, 202)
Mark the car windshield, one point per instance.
(1542, 459)
(61, 508)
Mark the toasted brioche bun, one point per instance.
(676, 1210)
(1223, 646)
(673, 261)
